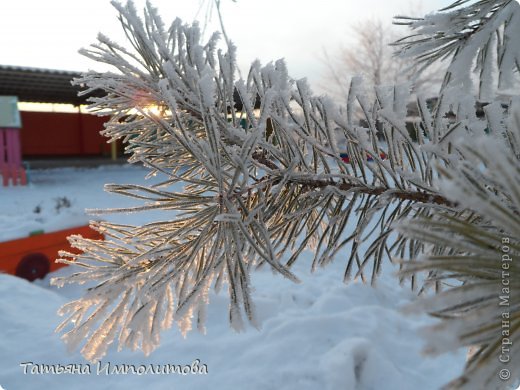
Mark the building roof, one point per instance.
(37, 85)
(40, 85)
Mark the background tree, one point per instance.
(370, 54)
(252, 200)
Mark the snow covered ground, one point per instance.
(321, 334)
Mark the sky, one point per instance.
(48, 34)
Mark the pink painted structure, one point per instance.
(11, 167)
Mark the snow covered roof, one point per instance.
(40, 85)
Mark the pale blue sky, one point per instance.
(49, 33)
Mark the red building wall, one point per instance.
(62, 134)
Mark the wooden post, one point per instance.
(113, 150)
(81, 132)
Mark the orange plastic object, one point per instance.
(33, 257)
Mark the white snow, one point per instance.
(320, 334)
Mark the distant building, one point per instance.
(53, 134)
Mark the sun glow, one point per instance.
(50, 107)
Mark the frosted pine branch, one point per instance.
(480, 250)
(267, 170)
(475, 36)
